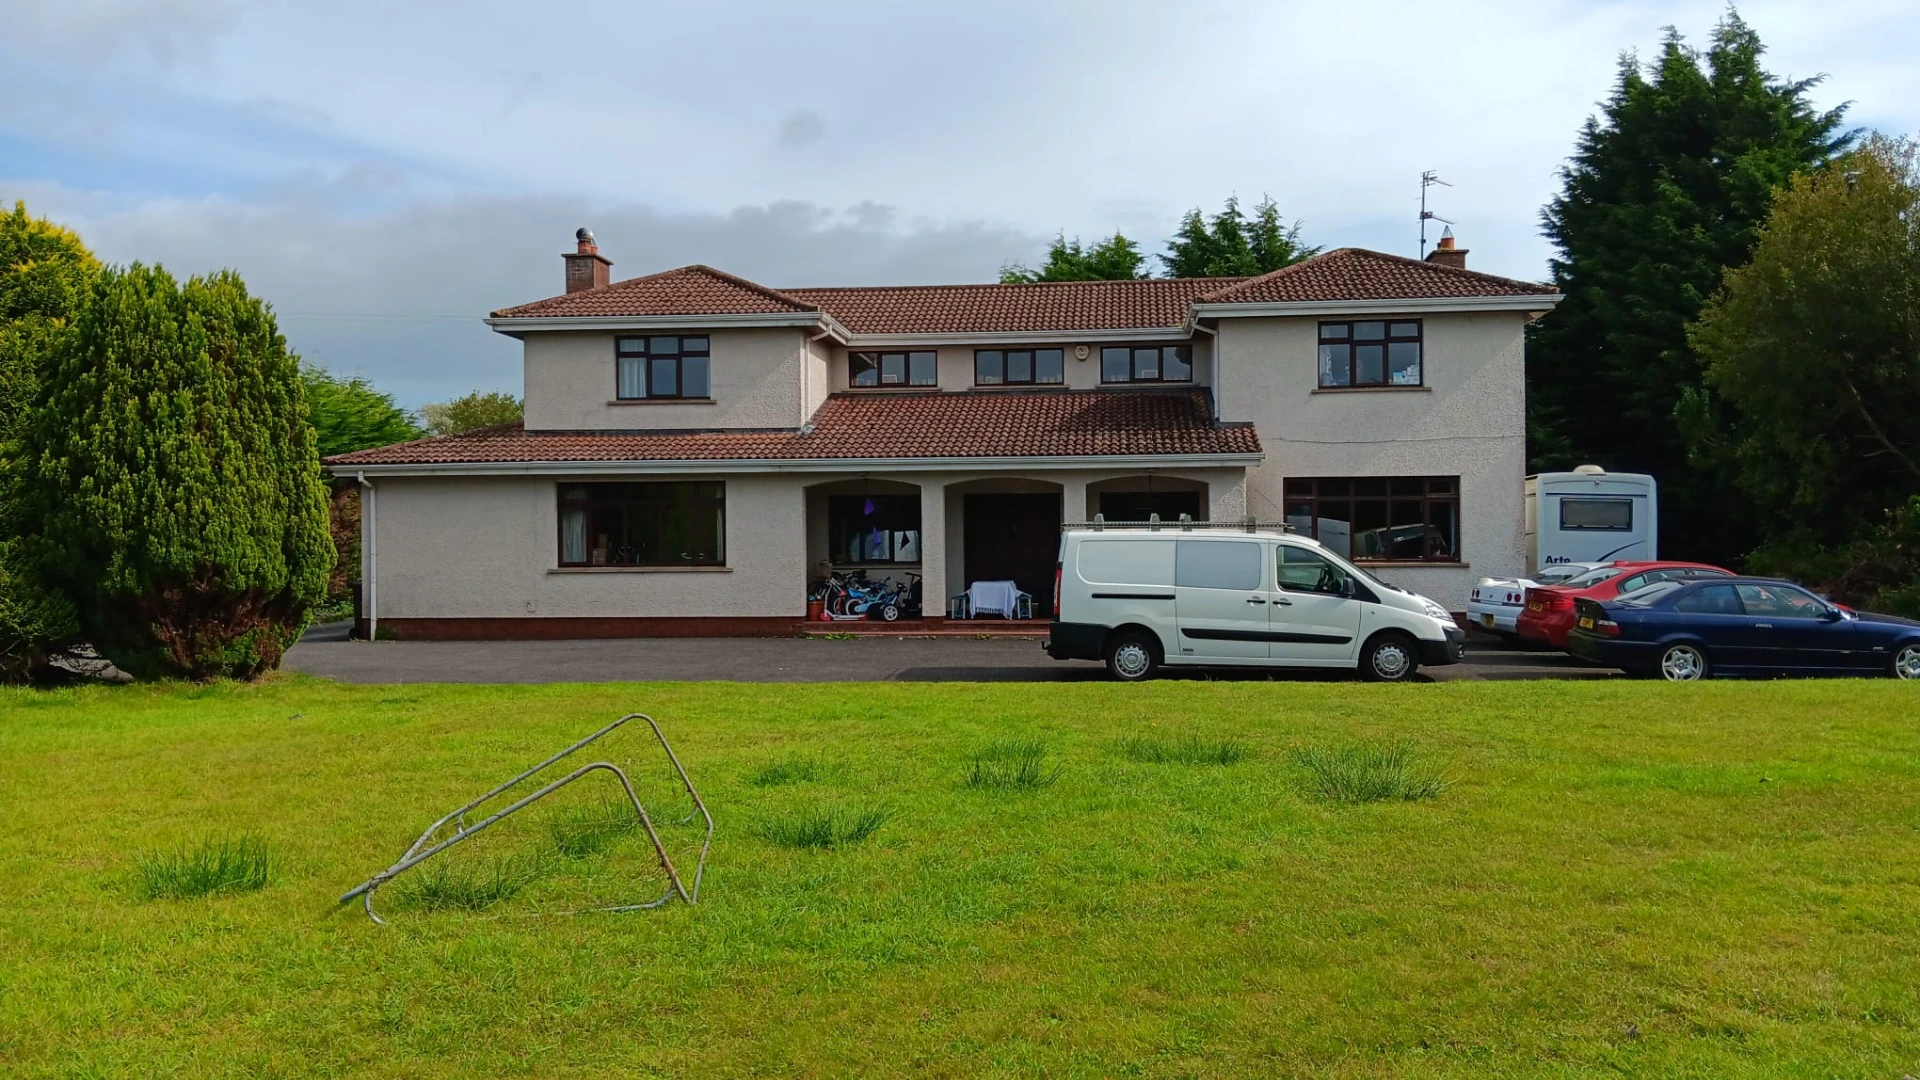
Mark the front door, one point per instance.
(1312, 624)
(1220, 599)
(1014, 538)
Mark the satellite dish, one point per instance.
(1590, 470)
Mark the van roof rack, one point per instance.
(1184, 523)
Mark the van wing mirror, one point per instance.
(1346, 586)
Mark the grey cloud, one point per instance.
(166, 32)
(801, 128)
(399, 295)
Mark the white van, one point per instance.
(1184, 595)
(1591, 515)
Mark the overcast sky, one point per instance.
(385, 173)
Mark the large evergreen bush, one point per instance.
(173, 473)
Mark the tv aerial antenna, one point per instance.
(1427, 180)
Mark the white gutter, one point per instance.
(530, 324)
(1528, 302)
(371, 534)
(1021, 337)
(812, 465)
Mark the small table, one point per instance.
(994, 598)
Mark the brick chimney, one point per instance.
(586, 267)
(1445, 254)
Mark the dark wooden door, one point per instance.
(1016, 538)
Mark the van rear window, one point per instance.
(1601, 515)
(1127, 562)
(1216, 564)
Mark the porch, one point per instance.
(921, 542)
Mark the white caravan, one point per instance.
(1186, 595)
(1593, 516)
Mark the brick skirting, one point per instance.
(586, 627)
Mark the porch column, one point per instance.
(1227, 496)
(1073, 498)
(933, 549)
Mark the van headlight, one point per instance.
(1437, 611)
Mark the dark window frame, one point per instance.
(1589, 499)
(1345, 336)
(894, 514)
(623, 351)
(879, 357)
(1185, 349)
(645, 502)
(1033, 365)
(1297, 491)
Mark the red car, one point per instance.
(1549, 613)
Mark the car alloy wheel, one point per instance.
(1906, 663)
(1683, 663)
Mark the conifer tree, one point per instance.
(172, 471)
(1665, 190)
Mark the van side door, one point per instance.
(1220, 599)
(1312, 620)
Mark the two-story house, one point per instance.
(697, 447)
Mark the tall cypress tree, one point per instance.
(175, 479)
(1664, 191)
(44, 272)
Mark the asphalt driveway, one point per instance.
(326, 652)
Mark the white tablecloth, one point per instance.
(993, 597)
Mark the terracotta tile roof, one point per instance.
(1342, 274)
(1041, 306)
(1359, 274)
(690, 290)
(1037, 423)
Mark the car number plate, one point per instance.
(1535, 606)
(1486, 620)
(1586, 623)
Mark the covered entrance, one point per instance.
(1013, 537)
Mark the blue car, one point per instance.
(1687, 630)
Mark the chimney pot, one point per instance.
(1445, 253)
(586, 267)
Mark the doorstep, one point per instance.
(929, 628)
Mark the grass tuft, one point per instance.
(789, 770)
(582, 830)
(1186, 750)
(231, 864)
(1359, 773)
(817, 829)
(469, 886)
(1012, 765)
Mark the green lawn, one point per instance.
(1712, 880)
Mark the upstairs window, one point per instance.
(1372, 353)
(892, 369)
(661, 368)
(1152, 363)
(1019, 367)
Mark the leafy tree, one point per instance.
(1113, 259)
(170, 467)
(44, 271)
(1816, 345)
(1663, 192)
(472, 412)
(1231, 245)
(348, 414)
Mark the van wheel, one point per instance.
(1390, 657)
(1132, 657)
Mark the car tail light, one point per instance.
(1056, 592)
(1607, 627)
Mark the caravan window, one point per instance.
(1596, 515)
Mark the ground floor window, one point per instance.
(873, 528)
(665, 524)
(1144, 505)
(1414, 518)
